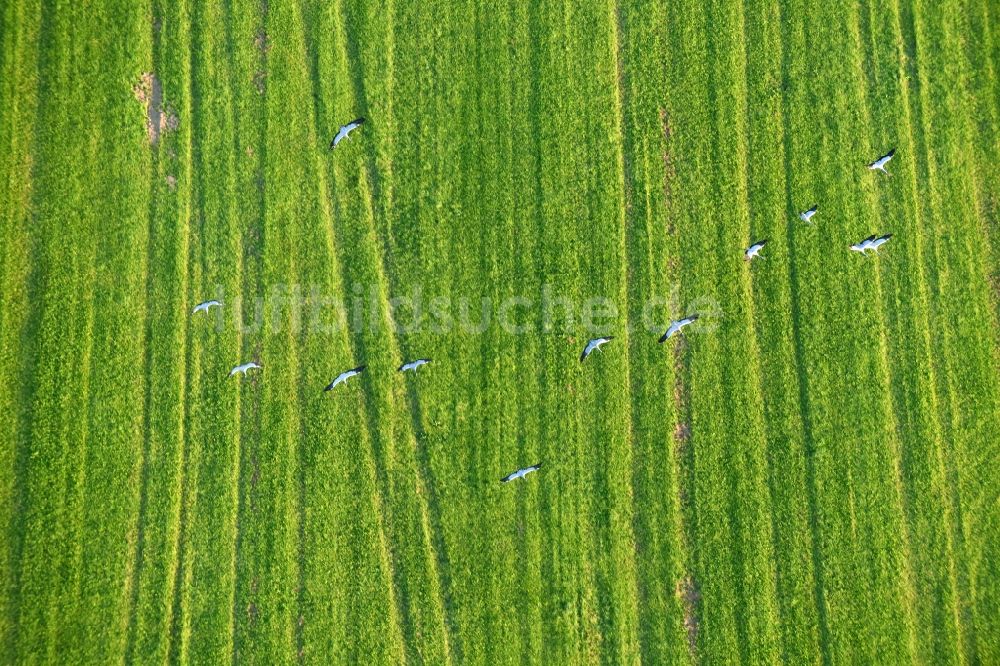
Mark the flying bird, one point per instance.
(806, 215)
(413, 365)
(676, 326)
(521, 473)
(244, 368)
(872, 243)
(204, 307)
(345, 131)
(879, 242)
(753, 251)
(863, 245)
(344, 376)
(592, 345)
(879, 164)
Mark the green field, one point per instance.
(807, 475)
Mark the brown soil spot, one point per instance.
(149, 92)
(260, 81)
(687, 591)
(262, 42)
(250, 152)
(682, 432)
(668, 166)
(172, 183)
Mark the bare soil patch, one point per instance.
(262, 42)
(668, 167)
(172, 182)
(159, 118)
(689, 595)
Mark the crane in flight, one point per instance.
(879, 164)
(521, 473)
(753, 251)
(676, 326)
(345, 131)
(594, 344)
(344, 376)
(204, 307)
(252, 365)
(413, 365)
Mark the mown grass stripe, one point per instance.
(773, 215)
(651, 268)
(247, 45)
(374, 184)
(167, 366)
(740, 568)
(18, 315)
(177, 63)
(107, 529)
(392, 613)
(214, 419)
(938, 623)
(964, 293)
(59, 335)
(965, 441)
(886, 369)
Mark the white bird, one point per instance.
(863, 245)
(521, 473)
(594, 344)
(879, 164)
(345, 131)
(753, 251)
(879, 242)
(872, 243)
(204, 307)
(344, 376)
(243, 368)
(413, 365)
(806, 215)
(676, 326)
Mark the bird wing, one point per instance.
(357, 122)
(673, 328)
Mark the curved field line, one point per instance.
(427, 496)
(390, 568)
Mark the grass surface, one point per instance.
(807, 475)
